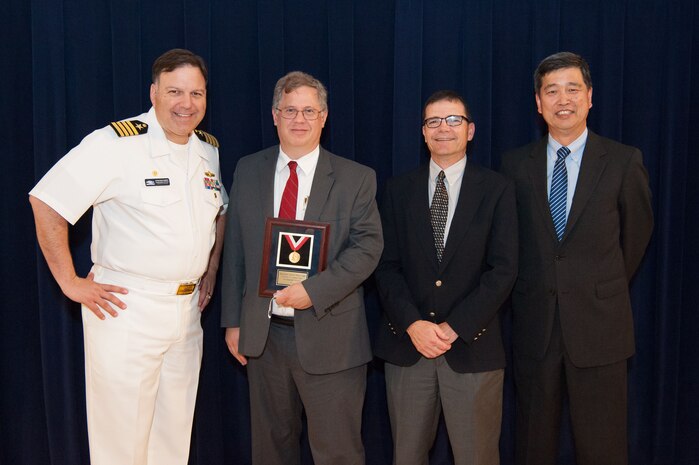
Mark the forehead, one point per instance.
(185, 76)
(444, 108)
(301, 96)
(563, 77)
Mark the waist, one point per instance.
(151, 286)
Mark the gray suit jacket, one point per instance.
(587, 274)
(332, 335)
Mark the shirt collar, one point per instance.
(453, 173)
(576, 147)
(307, 163)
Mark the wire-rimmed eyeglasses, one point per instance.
(308, 113)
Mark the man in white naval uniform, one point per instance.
(157, 230)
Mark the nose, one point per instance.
(299, 116)
(186, 100)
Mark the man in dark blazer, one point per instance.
(308, 349)
(447, 267)
(585, 220)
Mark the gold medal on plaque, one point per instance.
(294, 257)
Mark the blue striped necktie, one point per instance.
(559, 192)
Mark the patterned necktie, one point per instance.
(287, 209)
(559, 192)
(438, 214)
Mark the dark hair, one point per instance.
(558, 61)
(295, 79)
(177, 58)
(448, 95)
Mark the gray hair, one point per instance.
(293, 81)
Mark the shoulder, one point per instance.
(523, 151)
(610, 146)
(206, 137)
(486, 175)
(113, 136)
(254, 159)
(344, 167)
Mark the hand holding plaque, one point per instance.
(293, 251)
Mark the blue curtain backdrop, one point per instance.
(71, 66)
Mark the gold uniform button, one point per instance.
(438, 283)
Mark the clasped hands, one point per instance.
(431, 339)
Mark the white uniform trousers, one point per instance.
(141, 377)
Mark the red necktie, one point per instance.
(287, 209)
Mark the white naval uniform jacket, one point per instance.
(152, 218)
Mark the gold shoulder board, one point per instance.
(206, 137)
(133, 127)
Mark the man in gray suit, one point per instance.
(307, 349)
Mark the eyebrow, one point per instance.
(571, 83)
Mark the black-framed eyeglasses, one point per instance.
(452, 120)
(309, 113)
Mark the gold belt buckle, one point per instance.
(186, 289)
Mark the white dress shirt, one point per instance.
(305, 171)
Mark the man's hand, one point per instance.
(428, 338)
(95, 296)
(206, 289)
(293, 296)
(449, 332)
(232, 338)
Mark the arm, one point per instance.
(359, 256)
(52, 234)
(208, 279)
(636, 213)
(233, 275)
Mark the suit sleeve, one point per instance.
(636, 213)
(358, 259)
(396, 297)
(233, 257)
(480, 306)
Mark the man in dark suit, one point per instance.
(585, 220)
(449, 263)
(307, 349)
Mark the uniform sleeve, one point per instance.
(81, 178)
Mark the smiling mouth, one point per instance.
(183, 115)
(564, 112)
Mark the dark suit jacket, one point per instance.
(470, 284)
(332, 335)
(588, 272)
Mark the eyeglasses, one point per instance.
(309, 114)
(452, 120)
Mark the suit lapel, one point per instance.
(418, 211)
(323, 181)
(470, 197)
(536, 166)
(593, 163)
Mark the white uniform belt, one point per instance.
(151, 286)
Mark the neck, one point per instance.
(445, 162)
(566, 138)
(297, 152)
